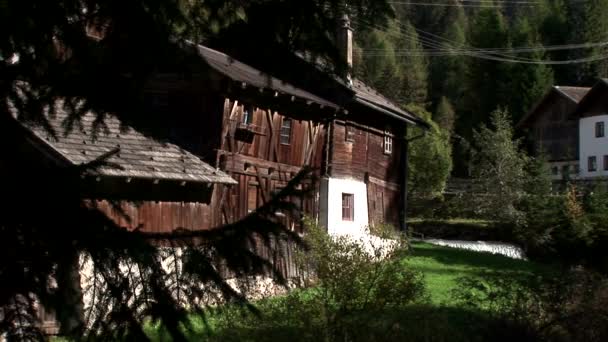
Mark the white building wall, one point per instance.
(331, 206)
(592, 146)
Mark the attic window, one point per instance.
(248, 115)
(599, 129)
(350, 133)
(286, 131)
(388, 142)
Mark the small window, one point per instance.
(565, 170)
(606, 163)
(348, 207)
(554, 170)
(247, 115)
(388, 142)
(599, 129)
(252, 198)
(350, 133)
(286, 131)
(592, 164)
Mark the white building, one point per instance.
(592, 114)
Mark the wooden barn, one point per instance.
(551, 131)
(232, 136)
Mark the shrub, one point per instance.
(349, 285)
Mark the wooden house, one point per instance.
(232, 136)
(552, 132)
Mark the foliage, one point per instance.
(348, 283)
(445, 116)
(350, 278)
(499, 170)
(400, 77)
(570, 306)
(430, 158)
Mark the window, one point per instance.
(592, 164)
(252, 198)
(606, 163)
(554, 170)
(286, 131)
(599, 129)
(565, 170)
(388, 142)
(247, 115)
(348, 207)
(350, 133)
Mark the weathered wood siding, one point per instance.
(365, 155)
(552, 133)
(252, 153)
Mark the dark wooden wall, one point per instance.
(255, 157)
(553, 133)
(365, 154)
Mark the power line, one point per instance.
(433, 43)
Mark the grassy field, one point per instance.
(442, 318)
(444, 267)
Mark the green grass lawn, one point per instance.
(441, 319)
(443, 267)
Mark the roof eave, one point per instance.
(412, 120)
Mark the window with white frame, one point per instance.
(348, 207)
(599, 129)
(286, 131)
(388, 142)
(592, 164)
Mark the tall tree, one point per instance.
(528, 81)
(586, 24)
(499, 169)
(414, 67)
(487, 81)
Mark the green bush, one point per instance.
(349, 288)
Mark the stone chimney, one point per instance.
(345, 45)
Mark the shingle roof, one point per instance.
(242, 72)
(137, 156)
(575, 93)
(370, 95)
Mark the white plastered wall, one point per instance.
(331, 206)
(592, 146)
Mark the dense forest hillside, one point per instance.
(461, 59)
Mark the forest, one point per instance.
(461, 60)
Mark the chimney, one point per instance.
(345, 45)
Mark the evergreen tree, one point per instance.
(487, 81)
(446, 72)
(413, 67)
(528, 81)
(586, 22)
(499, 170)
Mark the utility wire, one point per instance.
(479, 53)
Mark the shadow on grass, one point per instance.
(412, 323)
